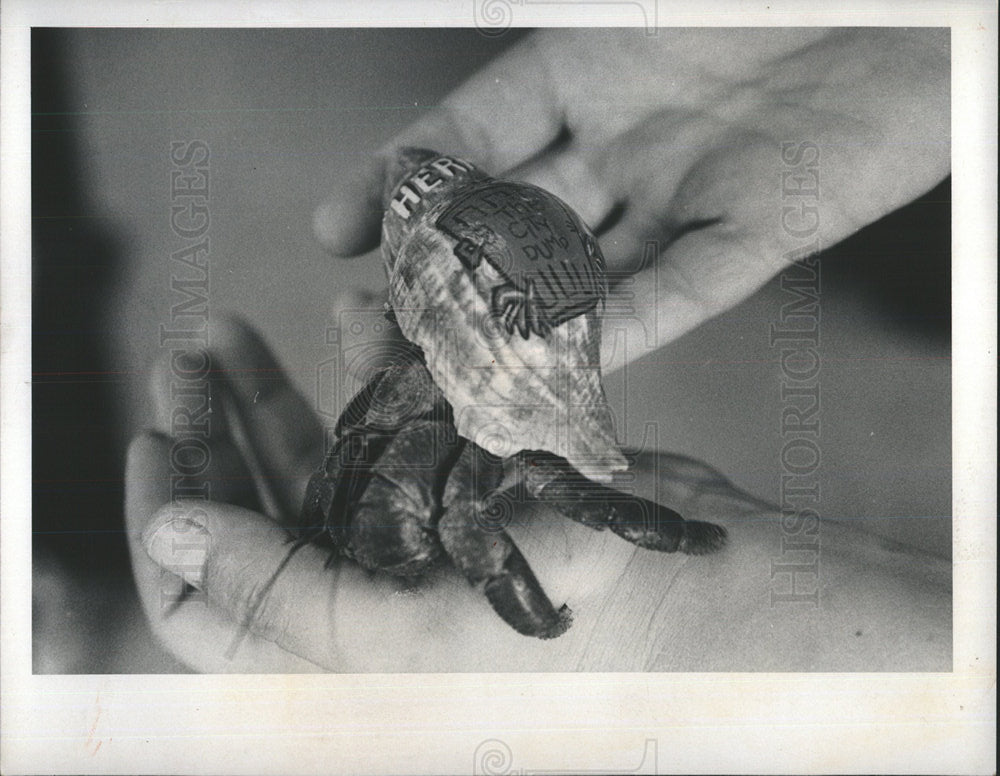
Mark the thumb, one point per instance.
(246, 566)
(502, 115)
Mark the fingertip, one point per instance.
(158, 389)
(170, 535)
(346, 229)
(357, 299)
(180, 383)
(147, 479)
(144, 447)
(349, 222)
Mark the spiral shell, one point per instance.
(502, 286)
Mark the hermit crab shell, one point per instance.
(502, 286)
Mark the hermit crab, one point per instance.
(498, 288)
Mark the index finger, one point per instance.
(503, 115)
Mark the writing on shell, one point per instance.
(502, 285)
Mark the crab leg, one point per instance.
(493, 560)
(489, 557)
(391, 526)
(635, 519)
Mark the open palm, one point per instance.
(633, 609)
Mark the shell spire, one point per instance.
(502, 285)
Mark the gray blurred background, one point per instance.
(288, 112)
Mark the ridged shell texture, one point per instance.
(502, 286)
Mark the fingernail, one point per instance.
(180, 544)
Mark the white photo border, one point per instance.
(942, 723)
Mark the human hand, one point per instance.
(261, 442)
(633, 609)
(216, 574)
(682, 139)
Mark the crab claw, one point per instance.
(492, 559)
(480, 548)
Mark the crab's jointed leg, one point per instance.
(489, 557)
(635, 519)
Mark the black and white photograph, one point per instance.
(502, 358)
